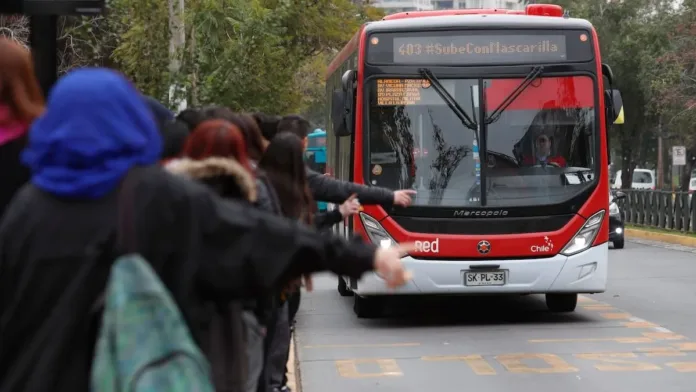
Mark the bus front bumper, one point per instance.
(585, 272)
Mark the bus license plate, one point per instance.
(496, 278)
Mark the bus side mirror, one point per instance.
(614, 105)
(342, 105)
(338, 113)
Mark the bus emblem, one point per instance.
(480, 213)
(484, 247)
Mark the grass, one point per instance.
(658, 230)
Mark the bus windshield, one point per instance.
(541, 150)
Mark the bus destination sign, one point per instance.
(406, 92)
(479, 49)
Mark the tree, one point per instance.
(244, 54)
(15, 27)
(310, 81)
(674, 83)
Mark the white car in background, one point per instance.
(642, 179)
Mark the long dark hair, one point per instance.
(285, 169)
(245, 123)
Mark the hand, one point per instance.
(350, 206)
(293, 285)
(403, 197)
(388, 265)
(308, 282)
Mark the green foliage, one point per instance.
(246, 54)
(632, 36)
(143, 50)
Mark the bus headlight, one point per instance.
(376, 232)
(614, 209)
(585, 236)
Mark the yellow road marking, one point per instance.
(616, 316)
(636, 339)
(476, 362)
(683, 367)
(639, 324)
(375, 345)
(584, 299)
(599, 308)
(514, 363)
(663, 336)
(690, 346)
(612, 362)
(662, 352)
(349, 368)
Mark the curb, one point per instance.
(293, 365)
(661, 237)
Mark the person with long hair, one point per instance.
(21, 102)
(284, 165)
(58, 237)
(215, 155)
(246, 123)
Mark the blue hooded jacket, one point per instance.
(95, 128)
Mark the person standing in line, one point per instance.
(21, 102)
(215, 155)
(284, 165)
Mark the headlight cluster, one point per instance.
(585, 236)
(376, 232)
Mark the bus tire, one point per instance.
(619, 244)
(367, 307)
(343, 289)
(561, 303)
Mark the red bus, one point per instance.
(498, 119)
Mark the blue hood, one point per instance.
(95, 128)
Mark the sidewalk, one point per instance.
(653, 234)
(292, 369)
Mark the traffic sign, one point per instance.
(678, 155)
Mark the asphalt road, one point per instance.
(635, 337)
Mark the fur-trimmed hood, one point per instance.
(216, 170)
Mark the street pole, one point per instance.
(660, 167)
(43, 38)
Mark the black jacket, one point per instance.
(12, 173)
(225, 345)
(324, 220)
(328, 189)
(203, 248)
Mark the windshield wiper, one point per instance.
(531, 77)
(451, 102)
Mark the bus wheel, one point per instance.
(367, 307)
(561, 303)
(343, 289)
(619, 244)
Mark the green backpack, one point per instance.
(144, 343)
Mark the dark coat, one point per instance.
(331, 190)
(226, 338)
(12, 173)
(203, 248)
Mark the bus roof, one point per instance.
(487, 21)
(455, 20)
